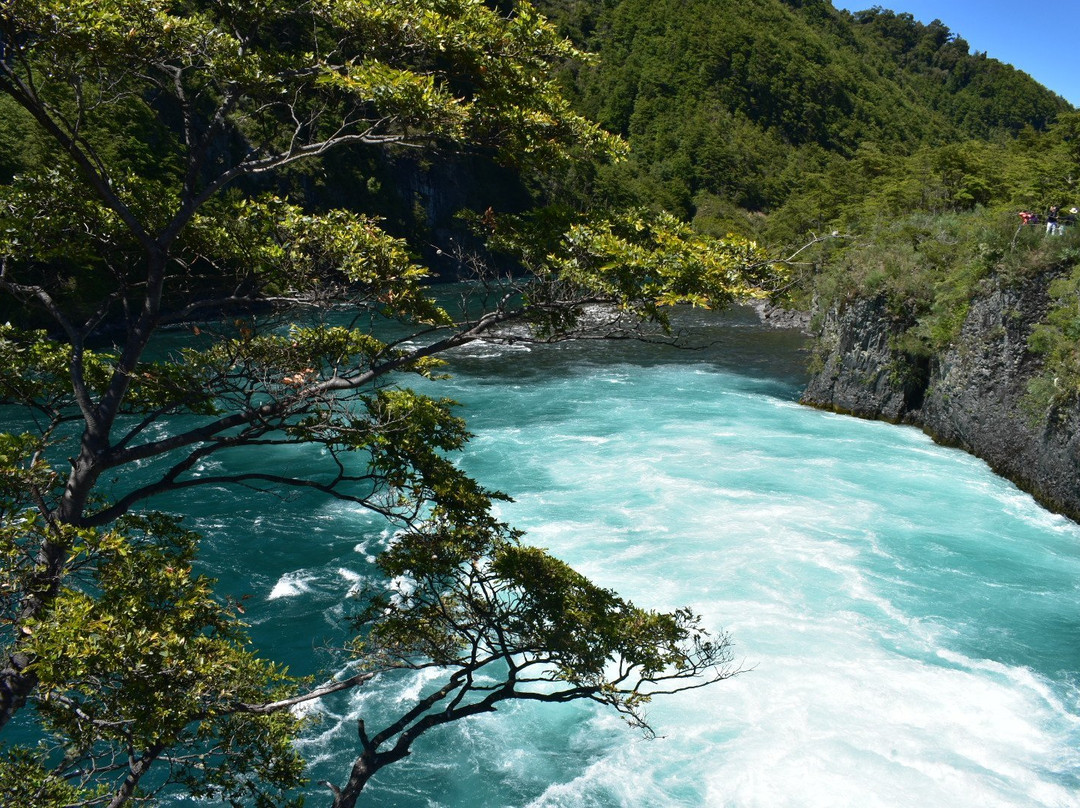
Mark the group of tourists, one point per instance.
(1055, 219)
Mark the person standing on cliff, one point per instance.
(1052, 226)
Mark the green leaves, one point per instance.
(25, 781)
(42, 373)
(135, 653)
(40, 369)
(17, 453)
(413, 100)
(1057, 340)
(641, 264)
(476, 75)
(410, 437)
(582, 628)
(560, 613)
(658, 261)
(74, 39)
(164, 121)
(282, 253)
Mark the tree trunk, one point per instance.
(16, 684)
(363, 770)
(137, 768)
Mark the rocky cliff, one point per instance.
(972, 395)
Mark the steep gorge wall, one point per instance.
(970, 396)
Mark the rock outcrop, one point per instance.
(862, 374)
(973, 395)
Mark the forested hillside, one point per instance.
(772, 118)
(734, 110)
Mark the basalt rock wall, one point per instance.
(972, 395)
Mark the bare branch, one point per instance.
(320, 692)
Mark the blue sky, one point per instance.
(1039, 38)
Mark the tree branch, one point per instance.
(25, 96)
(270, 707)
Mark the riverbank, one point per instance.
(974, 395)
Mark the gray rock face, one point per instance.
(862, 373)
(971, 396)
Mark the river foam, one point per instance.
(908, 623)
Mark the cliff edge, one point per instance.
(973, 395)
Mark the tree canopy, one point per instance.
(153, 191)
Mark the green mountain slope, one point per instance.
(733, 104)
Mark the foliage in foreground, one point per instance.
(158, 127)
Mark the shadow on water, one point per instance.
(733, 341)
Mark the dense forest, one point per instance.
(770, 119)
(778, 117)
(167, 164)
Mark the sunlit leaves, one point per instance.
(284, 253)
(40, 375)
(559, 612)
(25, 781)
(1057, 340)
(39, 368)
(136, 653)
(411, 99)
(584, 628)
(41, 220)
(134, 656)
(75, 38)
(412, 69)
(409, 447)
(294, 360)
(19, 462)
(648, 262)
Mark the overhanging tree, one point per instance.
(161, 116)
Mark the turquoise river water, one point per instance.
(909, 623)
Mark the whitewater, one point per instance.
(907, 623)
